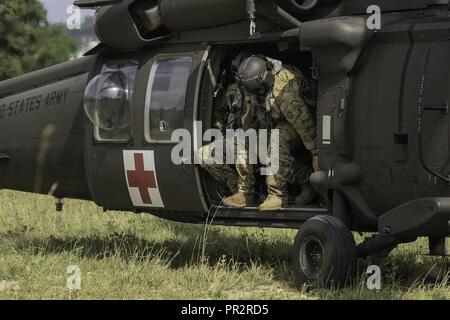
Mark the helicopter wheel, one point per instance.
(324, 253)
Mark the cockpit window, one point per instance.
(108, 102)
(166, 97)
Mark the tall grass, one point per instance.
(129, 256)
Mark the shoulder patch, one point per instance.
(283, 80)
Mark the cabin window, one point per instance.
(166, 97)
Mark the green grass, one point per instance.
(128, 256)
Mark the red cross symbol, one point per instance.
(141, 179)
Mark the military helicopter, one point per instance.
(98, 128)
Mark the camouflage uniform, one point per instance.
(291, 116)
(285, 109)
(238, 177)
(223, 116)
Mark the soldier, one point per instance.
(226, 114)
(281, 92)
(240, 178)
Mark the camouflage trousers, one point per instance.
(241, 175)
(291, 171)
(237, 177)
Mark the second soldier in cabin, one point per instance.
(238, 176)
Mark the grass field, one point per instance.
(128, 256)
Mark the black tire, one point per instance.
(324, 253)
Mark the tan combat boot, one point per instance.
(238, 200)
(273, 203)
(306, 196)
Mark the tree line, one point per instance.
(28, 41)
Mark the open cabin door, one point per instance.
(137, 172)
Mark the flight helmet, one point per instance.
(255, 75)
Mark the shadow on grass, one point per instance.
(185, 250)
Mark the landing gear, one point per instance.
(324, 253)
(377, 248)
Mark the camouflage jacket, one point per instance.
(235, 107)
(286, 102)
(229, 107)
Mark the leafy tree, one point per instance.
(27, 41)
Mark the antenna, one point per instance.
(251, 10)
